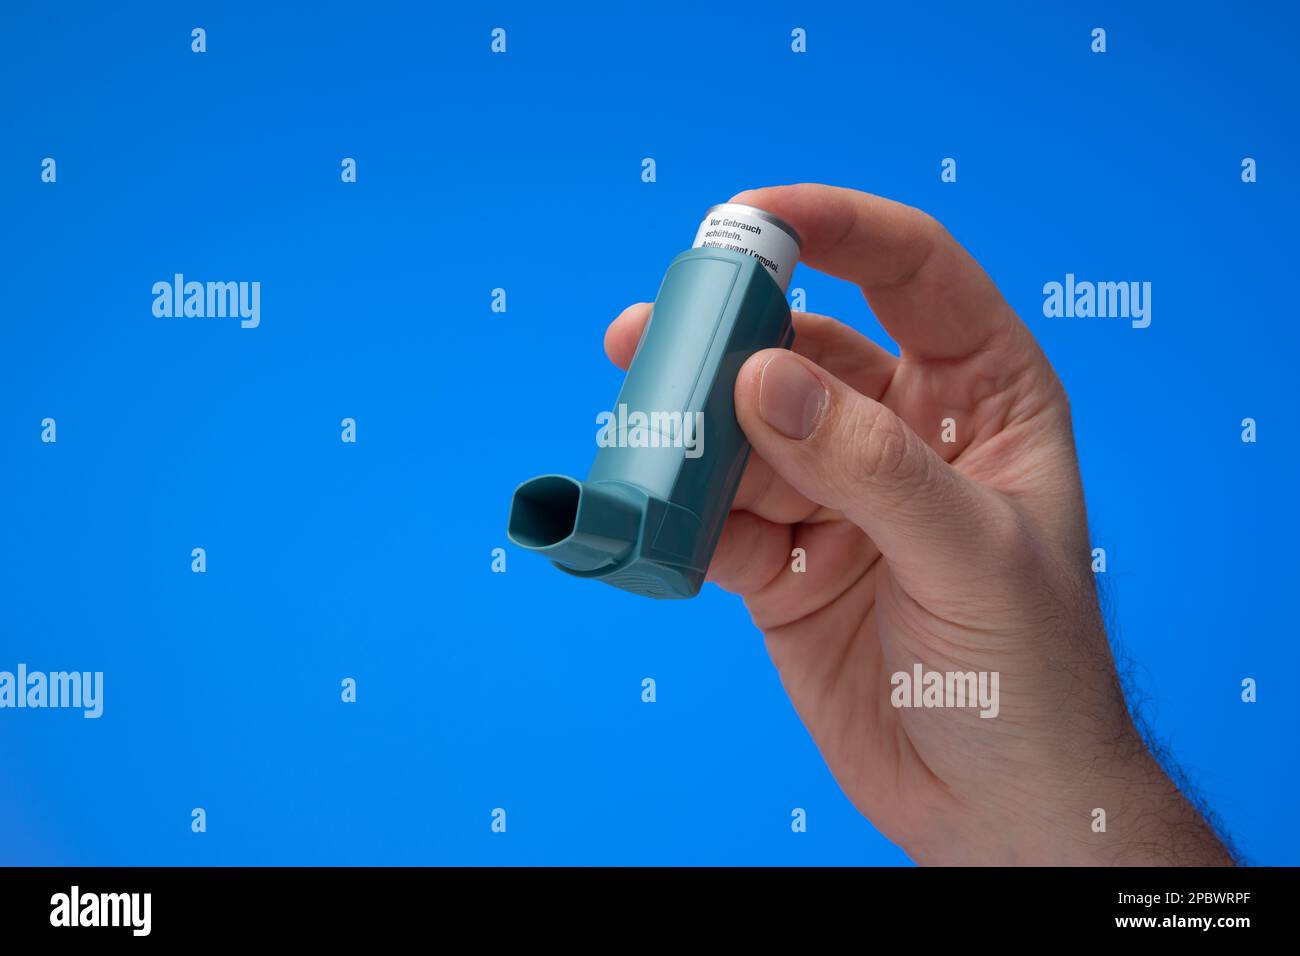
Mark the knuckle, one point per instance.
(928, 228)
(925, 234)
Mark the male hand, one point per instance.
(969, 555)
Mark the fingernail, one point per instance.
(790, 398)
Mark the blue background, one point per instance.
(522, 690)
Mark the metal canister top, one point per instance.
(755, 232)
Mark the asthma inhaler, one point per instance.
(649, 514)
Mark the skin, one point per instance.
(972, 555)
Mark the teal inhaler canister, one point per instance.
(671, 453)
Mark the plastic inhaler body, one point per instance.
(650, 513)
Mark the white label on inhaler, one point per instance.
(744, 229)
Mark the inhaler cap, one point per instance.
(755, 232)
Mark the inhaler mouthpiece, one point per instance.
(752, 232)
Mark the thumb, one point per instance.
(844, 451)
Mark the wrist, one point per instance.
(1115, 806)
(1112, 805)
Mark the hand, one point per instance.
(969, 555)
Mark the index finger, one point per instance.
(927, 291)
